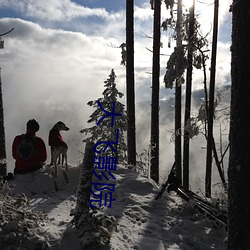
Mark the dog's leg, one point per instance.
(51, 155)
(56, 170)
(59, 159)
(55, 158)
(66, 161)
(63, 157)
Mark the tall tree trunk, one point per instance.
(211, 102)
(3, 161)
(188, 97)
(178, 100)
(131, 137)
(239, 159)
(154, 170)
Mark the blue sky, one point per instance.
(67, 14)
(108, 5)
(61, 52)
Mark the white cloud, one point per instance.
(54, 64)
(143, 13)
(205, 12)
(50, 73)
(52, 10)
(44, 69)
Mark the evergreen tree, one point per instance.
(104, 131)
(188, 53)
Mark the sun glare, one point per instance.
(188, 3)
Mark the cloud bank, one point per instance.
(59, 55)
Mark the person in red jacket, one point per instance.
(29, 150)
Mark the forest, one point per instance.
(207, 128)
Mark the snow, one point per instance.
(141, 221)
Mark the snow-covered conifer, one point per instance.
(104, 130)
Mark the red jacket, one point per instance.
(55, 139)
(37, 159)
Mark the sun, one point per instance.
(188, 3)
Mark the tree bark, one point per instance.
(239, 159)
(154, 169)
(211, 102)
(3, 161)
(188, 97)
(218, 164)
(83, 190)
(178, 158)
(131, 131)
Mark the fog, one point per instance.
(51, 69)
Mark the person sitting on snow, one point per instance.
(29, 150)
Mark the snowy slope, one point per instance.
(142, 222)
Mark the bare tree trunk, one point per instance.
(239, 159)
(211, 102)
(154, 169)
(83, 190)
(3, 161)
(131, 131)
(178, 157)
(217, 162)
(188, 98)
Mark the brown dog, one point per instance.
(58, 146)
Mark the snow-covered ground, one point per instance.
(141, 221)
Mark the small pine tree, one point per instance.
(104, 131)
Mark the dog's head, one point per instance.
(61, 126)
